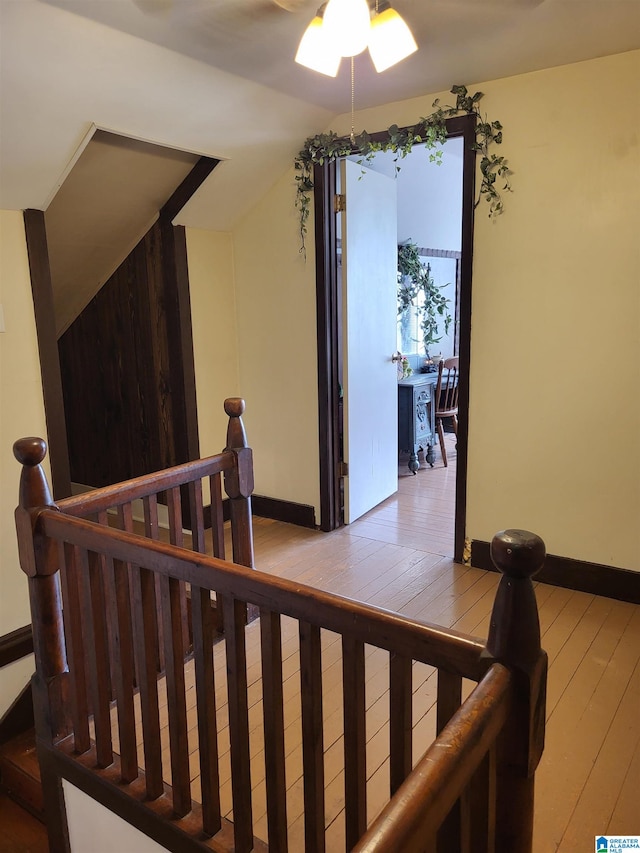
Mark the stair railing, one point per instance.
(105, 600)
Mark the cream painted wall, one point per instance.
(275, 292)
(556, 317)
(21, 413)
(92, 827)
(213, 315)
(556, 301)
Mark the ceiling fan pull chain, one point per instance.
(353, 85)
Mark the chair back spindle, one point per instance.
(446, 399)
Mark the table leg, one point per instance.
(413, 461)
(430, 456)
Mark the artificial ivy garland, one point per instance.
(430, 131)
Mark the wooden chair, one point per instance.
(447, 399)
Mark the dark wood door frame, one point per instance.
(42, 293)
(330, 331)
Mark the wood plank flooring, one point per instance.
(20, 832)
(399, 556)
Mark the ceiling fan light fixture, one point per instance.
(315, 50)
(347, 25)
(390, 39)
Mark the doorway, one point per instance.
(329, 323)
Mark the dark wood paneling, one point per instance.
(177, 317)
(49, 365)
(123, 398)
(597, 579)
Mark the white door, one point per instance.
(369, 270)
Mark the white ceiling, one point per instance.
(460, 40)
(217, 77)
(106, 205)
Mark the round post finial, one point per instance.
(236, 436)
(518, 553)
(34, 488)
(234, 407)
(30, 451)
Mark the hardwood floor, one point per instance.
(399, 556)
(20, 832)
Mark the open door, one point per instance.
(369, 376)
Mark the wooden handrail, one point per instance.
(422, 802)
(241, 483)
(97, 500)
(421, 641)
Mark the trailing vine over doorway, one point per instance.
(429, 131)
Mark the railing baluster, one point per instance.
(197, 516)
(234, 622)
(152, 531)
(174, 508)
(176, 699)
(176, 537)
(97, 653)
(145, 609)
(449, 700)
(119, 611)
(272, 698)
(217, 517)
(125, 680)
(400, 720)
(203, 633)
(150, 510)
(449, 697)
(478, 808)
(355, 740)
(312, 737)
(125, 517)
(72, 609)
(217, 534)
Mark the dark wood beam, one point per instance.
(42, 292)
(194, 180)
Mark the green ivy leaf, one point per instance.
(430, 131)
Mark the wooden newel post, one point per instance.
(238, 484)
(38, 559)
(514, 640)
(50, 686)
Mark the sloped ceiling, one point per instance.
(461, 41)
(61, 73)
(217, 78)
(106, 204)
